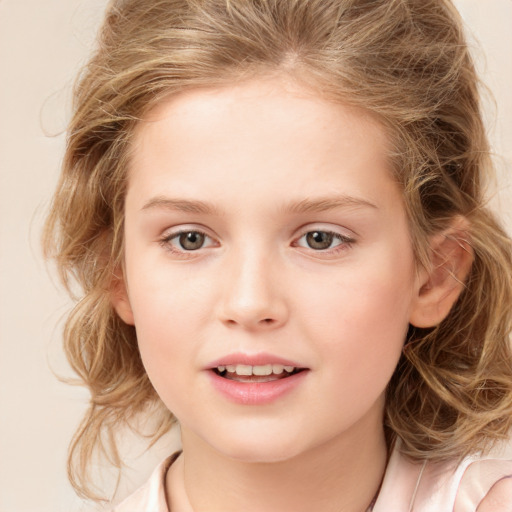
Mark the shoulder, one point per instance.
(499, 498)
(151, 496)
(478, 483)
(485, 486)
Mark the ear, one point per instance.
(440, 285)
(119, 298)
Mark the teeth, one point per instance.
(243, 369)
(247, 370)
(262, 370)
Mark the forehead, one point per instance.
(261, 132)
(286, 99)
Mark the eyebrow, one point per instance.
(183, 205)
(321, 204)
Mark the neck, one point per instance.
(342, 475)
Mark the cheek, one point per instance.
(360, 323)
(165, 296)
(361, 304)
(167, 343)
(167, 317)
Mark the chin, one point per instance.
(262, 449)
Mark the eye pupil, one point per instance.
(192, 240)
(319, 239)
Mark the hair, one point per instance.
(406, 63)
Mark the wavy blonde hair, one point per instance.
(403, 61)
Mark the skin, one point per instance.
(273, 162)
(499, 498)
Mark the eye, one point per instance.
(191, 241)
(319, 240)
(187, 241)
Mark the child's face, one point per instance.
(263, 227)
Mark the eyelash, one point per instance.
(345, 242)
(166, 242)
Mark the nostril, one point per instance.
(264, 322)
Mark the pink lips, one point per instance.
(254, 393)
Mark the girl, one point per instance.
(275, 211)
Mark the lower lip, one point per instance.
(255, 393)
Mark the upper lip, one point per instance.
(252, 360)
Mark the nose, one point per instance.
(254, 295)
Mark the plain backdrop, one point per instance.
(42, 46)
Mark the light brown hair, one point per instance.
(403, 61)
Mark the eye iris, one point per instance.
(192, 240)
(319, 239)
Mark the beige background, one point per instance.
(42, 45)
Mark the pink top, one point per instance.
(407, 487)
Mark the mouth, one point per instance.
(256, 373)
(256, 379)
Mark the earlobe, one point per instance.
(440, 285)
(119, 298)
